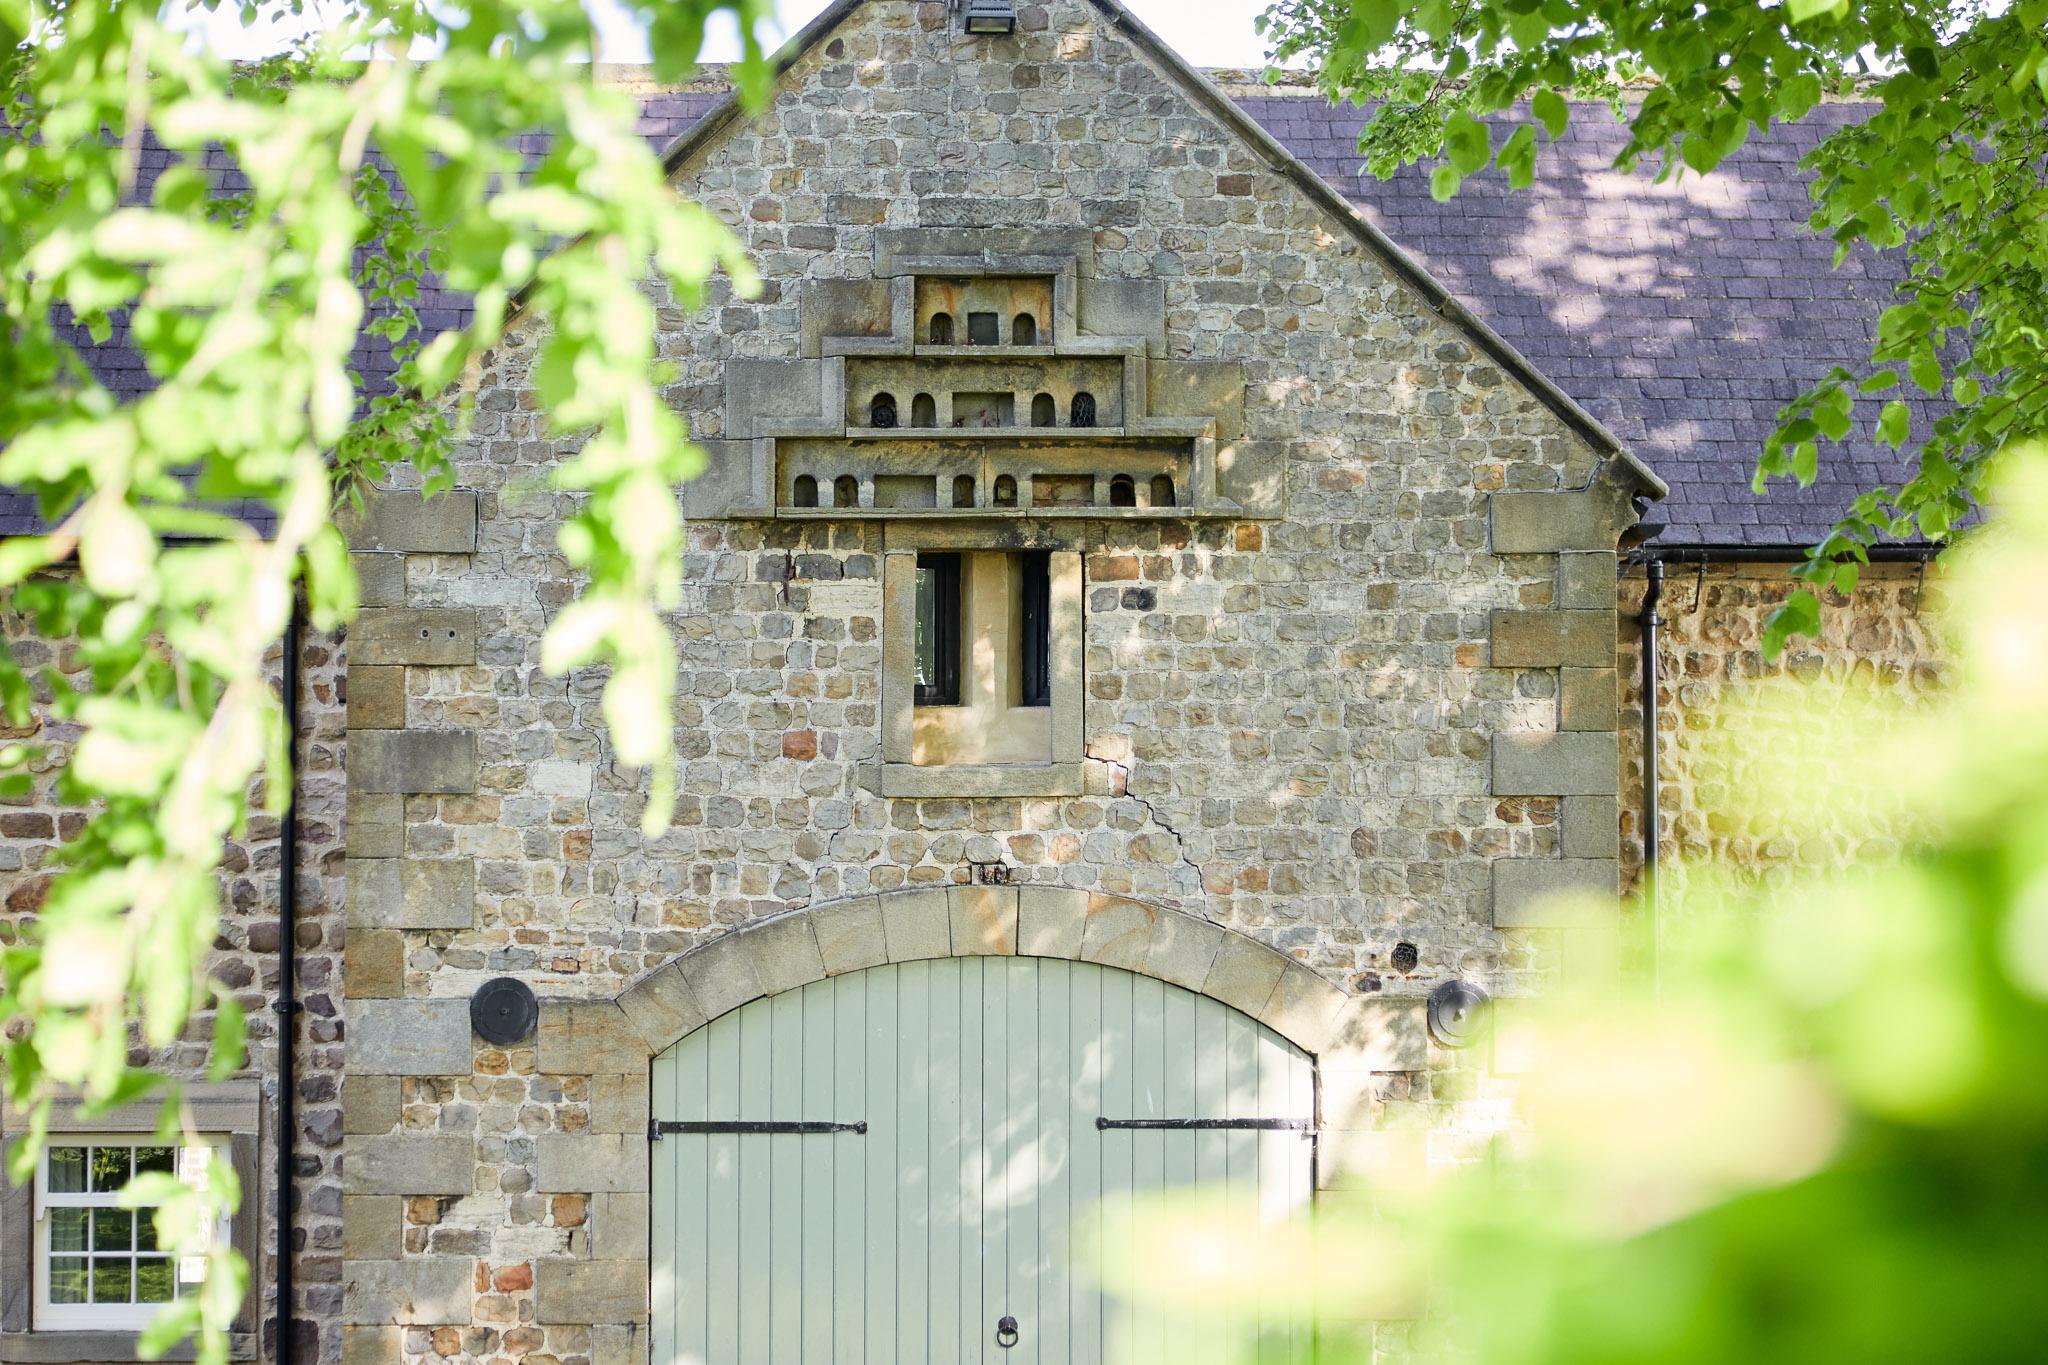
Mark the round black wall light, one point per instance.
(503, 1011)
(1457, 1013)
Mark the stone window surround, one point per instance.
(1061, 772)
(232, 1109)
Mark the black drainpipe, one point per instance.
(1649, 620)
(286, 1006)
(1654, 559)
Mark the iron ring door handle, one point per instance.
(1006, 1332)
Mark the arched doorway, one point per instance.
(883, 1165)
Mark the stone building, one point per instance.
(1146, 629)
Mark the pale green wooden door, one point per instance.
(980, 1082)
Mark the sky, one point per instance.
(1206, 32)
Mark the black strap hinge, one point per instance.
(751, 1127)
(1189, 1125)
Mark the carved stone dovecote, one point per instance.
(985, 375)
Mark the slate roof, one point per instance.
(1681, 315)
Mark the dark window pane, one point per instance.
(113, 1229)
(67, 1170)
(927, 627)
(1034, 647)
(67, 1229)
(145, 1230)
(153, 1280)
(937, 631)
(113, 1281)
(163, 1159)
(67, 1279)
(110, 1167)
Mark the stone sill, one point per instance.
(981, 779)
(88, 1348)
(984, 435)
(1088, 513)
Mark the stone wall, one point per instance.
(245, 960)
(1289, 726)
(1727, 724)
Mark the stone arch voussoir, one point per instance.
(794, 949)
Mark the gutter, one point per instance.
(1653, 559)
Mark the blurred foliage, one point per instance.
(1820, 1134)
(1945, 169)
(359, 170)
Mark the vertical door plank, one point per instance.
(1241, 1157)
(1212, 1149)
(1085, 1069)
(1054, 1160)
(1148, 1152)
(1276, 1150)
(847, 1050)
(1179, 1056)
(973, 1161)
(943, 1311)
(757, 1189)
(912, 1172)
(1119, 1091)
(723, 1243)
(785, 1157)
(878, 1153)
(1025, 1136)
(997, 1125)
(664, 1295)
(815, 1292)
(682, 1230)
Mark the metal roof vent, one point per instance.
(991, 16)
